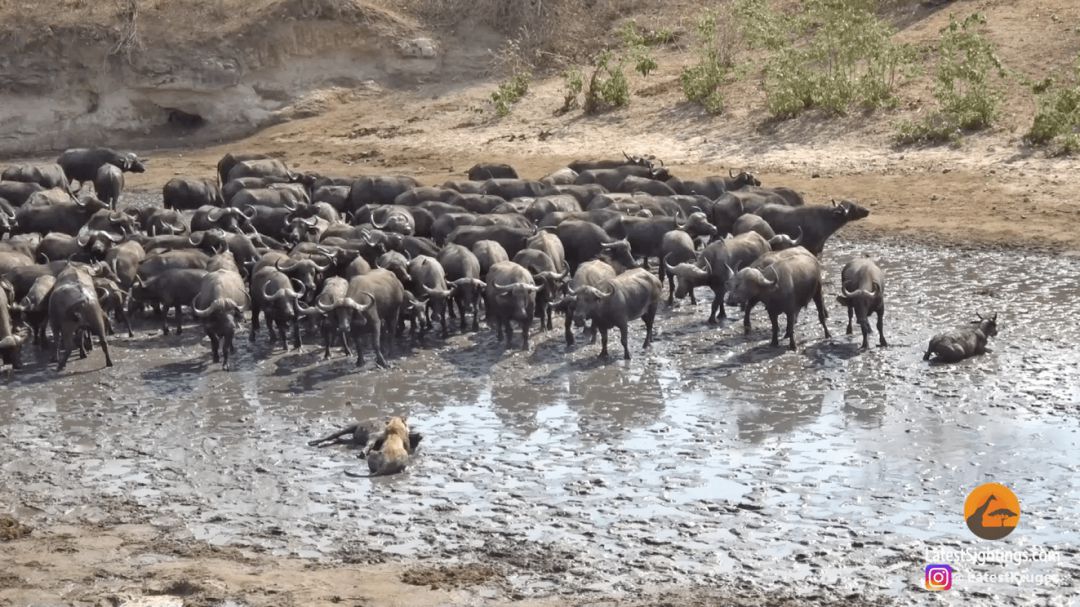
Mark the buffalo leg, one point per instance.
(774, 318)
(850, 314)
(822, 313)
(603, 343)
(254, 321)
(881, 327)
(358, 345)
(649, 317)
(127, 321)
(104, 348)
(376, 345)
(227, 349)
(179, 319)
(746, 320)
(63, 358)
(568, 327)
(345, 343)
(214, 342)
(624, 339)
(328, 334)
(525, 334)
(296, 333)
(693, 299)
(792, 319)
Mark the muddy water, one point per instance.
(714, 459)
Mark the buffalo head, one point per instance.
(849, 210)
(749, 283)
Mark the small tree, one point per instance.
(1057, 121)
(965, 88)
(716, 44)
(608, 87)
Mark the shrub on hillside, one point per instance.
(716, 45)
(965, 86)
(832, 55)
(1057, 121)
(510, 92)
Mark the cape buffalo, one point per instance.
(583, 241)
(228, 161)
(630, 295)
(189, 193)
(593, 273)
(958, 344)
(815, 223)
(677, 247)
(428, 280)
(65, 218)
(10, 341)
(82, 164)
(785, 282)
(334, 308)
(748, 222)
(379, 189)
(863, 285)
(463, 272)
(261, 167)
(108, 184)
(510, 296)
(546, 274)
(381, 297)
(490, 170)
(169, 289)
(73, 308)
(220, 303)
(273, 295)
(46, 175)
(17, 193)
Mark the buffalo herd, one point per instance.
(359, 258)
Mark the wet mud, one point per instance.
(713, 460)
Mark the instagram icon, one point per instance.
(938, 577)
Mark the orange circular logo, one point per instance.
(992, 511)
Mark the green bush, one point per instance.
(1057, 120)
(832, 55)
(608, 87)
(510, 92)
(574, 83)
(964, 86)
(701, 82)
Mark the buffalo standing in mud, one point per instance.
(863, 285)
(785, 282)
(74, 308)
(511, 296)
(631, 295)
(220, 304)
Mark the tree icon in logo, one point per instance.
(992, 511)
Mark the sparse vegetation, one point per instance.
(964, 87)
(608, 87)
(574, 83)
(637, 46)
(832, 55)
(510, 92)
(1057, 121)
(716, 45)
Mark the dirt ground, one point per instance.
(990, 192)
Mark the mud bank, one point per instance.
(205, 72)
(713, 461)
